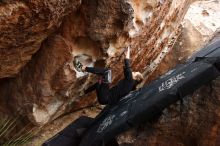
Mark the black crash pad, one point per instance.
(71, 135)
(142, 105)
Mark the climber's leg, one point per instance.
(95, 70)
(104, 72)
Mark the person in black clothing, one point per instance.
(110, 96)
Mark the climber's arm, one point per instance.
(127, 68)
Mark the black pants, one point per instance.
(102, 88)
(98, 71)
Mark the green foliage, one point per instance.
(10, 136)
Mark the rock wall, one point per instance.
(24, 25)
(39, 41)
(195, 120)
(93, 31)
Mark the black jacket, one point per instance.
(124, 86)
(121, 89)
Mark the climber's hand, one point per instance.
(127, 53)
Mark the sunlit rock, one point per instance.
(24, 25)
(95, 33)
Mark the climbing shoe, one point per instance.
(107, 78)
(78, 65)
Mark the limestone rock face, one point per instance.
(40, 40)
(24, 25)
(95, 32)
(195, 120)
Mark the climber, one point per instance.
(107, 95)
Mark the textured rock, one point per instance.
(96, 33)
(40, 39)
(196, 30)
(24, 25)
(194, 121)
(200, 23)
